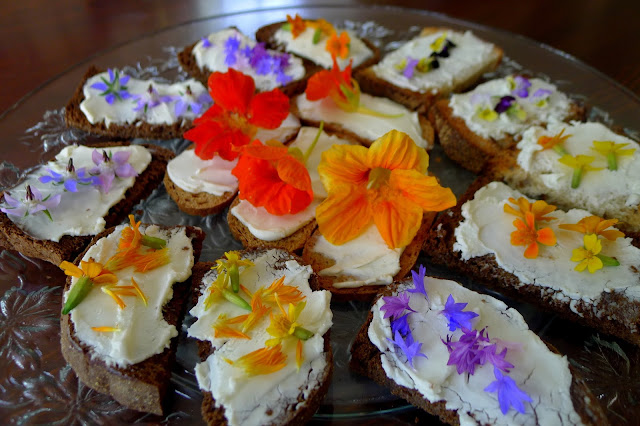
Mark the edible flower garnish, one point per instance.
(261, 361)
(32, 203)
(114, 88)
(338, 46)
(612, 150)
(554, 142)
(270, 176)
(541, 96)
(188, 102)
(595, 225)
(71, 179)
(90, 273)
(281, 292)
(539, 209)
(231, 265)
(235, 116)
(401, 324)
(105, 329)
(519, 86)
(394, 306)
(418, 281)
(149, 99)
(579, 164)
(527, 235)
(589, 256)
(441, 45)
(296, 25)
(115, 291)
(409, 348)
(509, 394)
(258, 310)
(219, 290)
(385, 184)
(223, 327)
(110, 165)
(468, 351)
(509, 105)
(457, 317)
(286, 325)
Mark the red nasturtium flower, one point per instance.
(235, 116)
(270, 177)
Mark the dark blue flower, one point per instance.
(401, 324)
(509, 394)
(504, 103)
(457, 317)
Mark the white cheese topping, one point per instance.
(82, 212)
(543, 375)
(468, 58)
(486, 229)
(246, 399)
(143, 329)
(303, 46)
(611, 193)
(97, 109)
(367, 126)
(283, 133)
(486, 95)
(192, 174)
(213, 58)
(365, 260)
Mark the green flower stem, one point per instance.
(302, 333)
(608, 261)
(236, 300)
(77, 294)
(612, 161)
(576, 178)
(560, 150)
(234, 276)
(314, 143)
(316, 36)
(153, 242)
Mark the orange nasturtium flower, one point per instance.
(386, 185)
(554, 142)
(526, 234)
(539, 209)
(235, 116)
(595, 225)
(338, 46)
(270, 177)
(261, 361)
(297, 25)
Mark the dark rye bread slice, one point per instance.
(365, 360)
(371, 83)
(365, 293)
(214, 415)
(138, 129)
(292, 243)
(199, 203)
(614, 314)
(140, 386)
(468, 149)
(266, 35)
(14, 238)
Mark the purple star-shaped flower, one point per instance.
(401, 324)
(504, 104)
(70, 179)
(32, 203)
(257, 54)
(264, 65)
(114, 88)
(394, 306)
(467, 352)
(509, 394)
(457, 317)
(149, 99)
(541, 93)
(418, 281)
(231, 46)
(408, 347)
(206, 43)
(522, 86)
(498, 360)
(410, 67)
(188, 102)
(109, 167)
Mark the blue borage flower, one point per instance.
(109, 166)
(188, 102)
(113, 89)
(150, 99)
(33, 203)
(70, 178)
(258, 58)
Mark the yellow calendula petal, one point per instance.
(262, 361)
(344, 215)
(105, 329)
(71, 269)
(105, 279)
(343, 164)
(139, 291)
(115, 298)
(422, 190)
(397, 223)
(91, 269)
(396, 150)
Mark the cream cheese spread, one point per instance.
(467, 59)
(143, 331)
(262, 399)
(193, 174)
(367, 126)
(486, 229)
(82, 212)
(486, 95)
(543, 375)
(303, 46)
(214, 58)
(126, 111)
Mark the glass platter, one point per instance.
(36, 385)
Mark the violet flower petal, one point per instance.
(125, 171)
(99, 86)
(456, 316)
(110, 98)
(503, 104)
(96, 156)
(418, 281)
(121, 157)
(11, 201)
(509, 394)
(540, 93)
(394, 306)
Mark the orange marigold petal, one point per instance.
(612, 234)
(396, 150)
(532, 251)
(343, 164)
(424, 191)
(70, 269)
(397, 222)
(268, 109)
(231, 90)
(344, 215)
(546, 237)
(262, 361)
(577, 227)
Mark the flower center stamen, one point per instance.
(378, 177)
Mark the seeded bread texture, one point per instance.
(367, 292)
(366, 361)
(74, 117)
(372, 84)
(296, 415)
(140, 386)
(471, 151)
(292, 243)
(613, 314)
(14, 238)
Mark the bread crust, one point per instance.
(140, 386)
(366, 292)
(614, 314)
(14, 238)
(372, 84)
(366, 361)
(74, 117)
(199, 203)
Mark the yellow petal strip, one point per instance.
(105, 329)
(139, 291)
(262, 361)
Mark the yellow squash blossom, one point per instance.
(386, 185)
(588, 255)
(88, 274)
(231, 264)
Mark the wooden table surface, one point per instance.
(39, 39)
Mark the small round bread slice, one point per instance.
(199, 203)
(367, 292)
